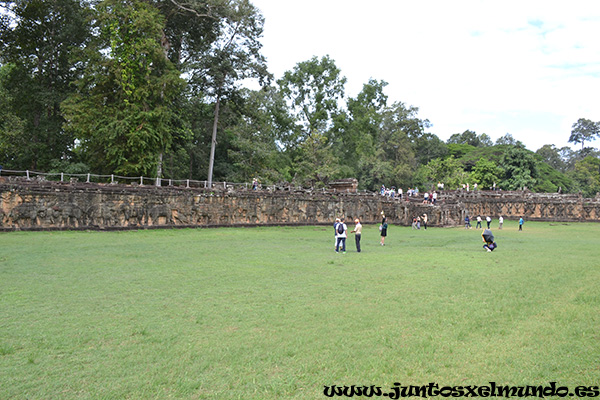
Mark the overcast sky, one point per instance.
(528, 68)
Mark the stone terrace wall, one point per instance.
(31, 205)
(531, 206)
(26, 205)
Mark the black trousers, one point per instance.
(357, 241)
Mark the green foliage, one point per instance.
(471, 138)
(551, 180)
(123, 111)
(427, 147)
(313, 91)
(586, 176)
(232, 57)
(583, 131)
(551, 155)
(491, 153)
(449, 171)
(101, 84)
(485, 173)
(68, 167)
(520, 169)
(254, 152)
(39, 39)
(12, 138)
(508, 140)
(458, 150)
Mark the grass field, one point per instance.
(275, 313)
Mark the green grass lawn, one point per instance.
(275, 313)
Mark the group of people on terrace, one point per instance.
(428, 197)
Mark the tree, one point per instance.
(38, 40)
(449, 171)
(583, 131)
(254, 151)
(485, 173)
(471, 138)
(358, 134)
(313, 90)
(509, 140)
(550, 154)
(399, 124)
(428, 147)
(124, 111)
(234, 56)
(520, 170)
(12, 135)
(586, 176)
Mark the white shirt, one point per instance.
(341, 235)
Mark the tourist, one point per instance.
(500, 222)
(467, 222)
(478, 226)
(425, 197)
(425, 221)
(357, 233)
(488, 219)
(521, 223)
(418, 222)
(335, 234)
(383, 228)
(400, 193)
(414, 223)
(341, 234)
(488, 240)
(435, 196)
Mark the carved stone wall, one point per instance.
(531, 206)
(26, 205)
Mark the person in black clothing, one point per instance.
(383, 228)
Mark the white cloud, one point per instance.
(526, 68)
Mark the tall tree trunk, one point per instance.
(159, 168)
(213, 143)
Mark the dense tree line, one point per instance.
(157, 88)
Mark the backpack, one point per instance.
(340, 228)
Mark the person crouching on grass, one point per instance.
(357, 233)
(341, 234)
(488, 240)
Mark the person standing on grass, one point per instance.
(424, 219)
(488, 219)
(467, 222)
(357, 234)
(341, 234)
(500, 222)
(335, 234)
(383, 228)
(521, 223)
(478, 226)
